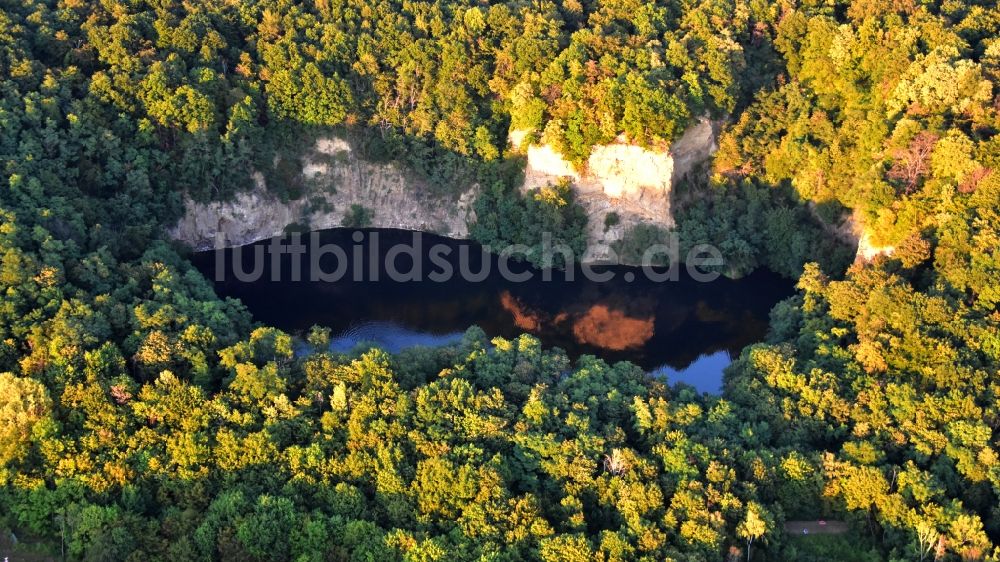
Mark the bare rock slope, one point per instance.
(631, 181)
(335, 179)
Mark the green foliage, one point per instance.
(611, 220)
(507, 450)
(755, 226)
(642, 238)
(881, 125)
(23, 404)
(308, 96)
(142, 418)
(817, 548)
(538, 226)
(357, 216)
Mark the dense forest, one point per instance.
(143, 418)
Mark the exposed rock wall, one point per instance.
(868, 251)
(633, 182)
(335, 179)
(852, 231)
(628, 180)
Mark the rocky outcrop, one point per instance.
(632, 182)
(335, 180)
(851, 231)
(867, 251)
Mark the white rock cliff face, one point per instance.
(851, 231)
(628, 180)
(335, 180)
(631, 181)
(868, 251)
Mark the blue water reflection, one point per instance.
(704, 373)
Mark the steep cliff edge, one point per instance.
(868, 251)
(852, 231)
(335, 180)
(630, 181)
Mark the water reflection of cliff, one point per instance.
(608, 324)
(651, 324)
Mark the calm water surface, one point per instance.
(684, 330)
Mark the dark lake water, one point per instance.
(682, 329)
